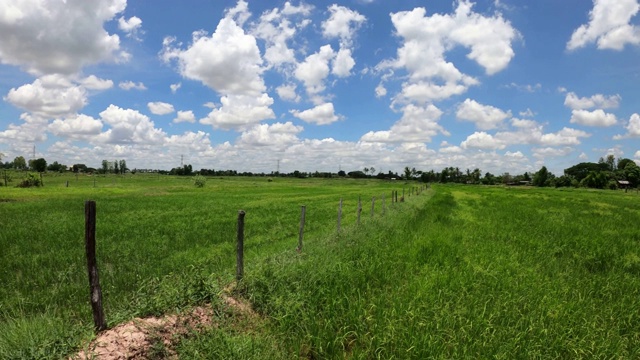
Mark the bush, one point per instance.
(199, 181)
(32, 180)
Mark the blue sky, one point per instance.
(504, 86)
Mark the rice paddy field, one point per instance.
(455, 272)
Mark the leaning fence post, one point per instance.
(301, 232)
(339, 214)
(240, 247)
(92, 265)
(359, 209)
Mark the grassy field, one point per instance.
(458, 272)
(162, 244)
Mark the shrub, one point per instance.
(199, 181)
(31, 180)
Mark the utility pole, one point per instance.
(181, 160)
(278, 168)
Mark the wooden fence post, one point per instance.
(92, 266)
(373, 204)
(240, 247)
(301, 232)
(359, 209)
(339, 214)
(67, 183)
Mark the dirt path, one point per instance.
(154, 337)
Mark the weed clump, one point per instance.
(30, 181)
(199, 181)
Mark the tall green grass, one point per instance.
(162, 244)
(470, 273)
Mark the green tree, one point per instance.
(622, 163)
(39, 165)
(407, 173)
(19, 163)
(116, 167)
(123, 166)
(105, 166)
(57, 167)
(632, 173)
(611, 162)
(540, 178)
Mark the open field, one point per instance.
(459, 272)
(161, 242)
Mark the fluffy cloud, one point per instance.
(175, 87)
(160, 108)
(132, 26)
(596, 101)
(228, 61)
(238, 111)
(49, 96)
(566, 136)
(314, 69)
(482, 140)
(129, 127)
(77, 127)
(92, 82)
(633, 128)
(549, 152)
(185, 116)
(58, 39)
(609, 26)
(322, 114)
(426, 39)
(278, 135)
(342, 23)
(593, 118)
(418, 124)
(485, 117)
(288, 92)
(343, 63)
(129, 85)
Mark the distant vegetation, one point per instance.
(607, 173)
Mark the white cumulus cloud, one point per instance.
(485, 117)
(160, 108)
(609, 26)
(595, 101)
(593, 118)
(322, 114)
(185, 116)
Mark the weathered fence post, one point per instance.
(339, 214)
(373, 205)
(41, 181)
(301, 232)
(396, 195)
(359, 209)
(67, 183)
(240, 247)
(92, 265)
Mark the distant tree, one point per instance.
(341, 173)
(105, 166)
(622, 163)
(56, 167)
(39, 165)
(356, 174)
(564, 181)
(540, 178)
(372, 170)
(407, 173)
(581, 170)
(595, 179)
(79, 168)
(116, 167)
(19, 163)
(632, 173)
(366, 171)
(123, 166)
(611, 162)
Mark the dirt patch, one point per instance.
(154, 337)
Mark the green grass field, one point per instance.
(457, 272)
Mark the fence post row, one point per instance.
(92, 266)
(301, 233)
(240, 247)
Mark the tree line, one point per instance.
(609, 172)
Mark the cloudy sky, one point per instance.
(501, 85)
